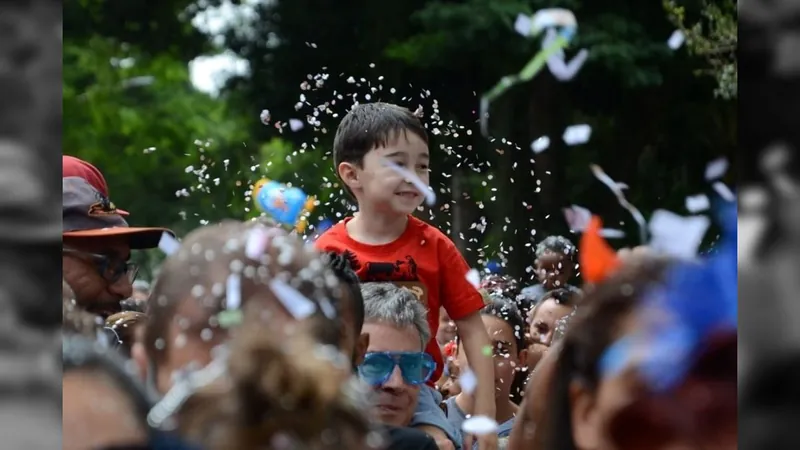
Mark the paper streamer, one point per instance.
(614, 186)
(298, 305)
(559, 67)
(424, 189)
(561, 19)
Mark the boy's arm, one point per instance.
(475, 340)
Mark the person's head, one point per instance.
(352, 310)
(103, 406)
(447, 328)
(581, 403)
(501, 284)
(281, 388)
(554, 306)
(97, 244)
(395, 364)
(368, 136)
(506, 330)
(188, 311)
(555, 261)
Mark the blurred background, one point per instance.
(167, 99)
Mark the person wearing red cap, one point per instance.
(97, 243)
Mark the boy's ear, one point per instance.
(362, 344)
(349, 174)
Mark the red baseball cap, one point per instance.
(87, 213)
(75, 167)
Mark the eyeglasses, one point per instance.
(111, 269)
(377, 368)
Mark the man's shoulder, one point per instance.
(406, 438)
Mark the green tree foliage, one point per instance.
(655, 125)
(714, 36)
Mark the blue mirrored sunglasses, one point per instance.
(415, 367)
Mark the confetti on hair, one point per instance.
(168, 244)
(161, 415)
(424, 189)
(562, 19)
(298, 305)
(615, 189)
(479, 425)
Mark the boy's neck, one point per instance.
(373, 228)
(505, 409)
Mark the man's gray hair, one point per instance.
(556, 244)
(387, 302)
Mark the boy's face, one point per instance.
(507, 358)
(553, 270)
(378, 187)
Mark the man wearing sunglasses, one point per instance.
(395, 364)
(97, 244)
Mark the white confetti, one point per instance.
(412, 178)
(474, 278)
(541, 144)
(479, 425)
(676, 235)
(615, 188)
(265, 117)
(295, 124)
(612, 233)
(676, 39)
(168, 244)
(233, 292)
(468, 382)
(298, 305)
(577, 134)
(697, 203)
(578, 217)
(523, 25)
(724, 191)
(716, 169)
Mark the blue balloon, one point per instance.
(324, 225)
(287, 205)
(493, 266)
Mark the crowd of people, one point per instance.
(374, 336)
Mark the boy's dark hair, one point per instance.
(342, 269)
(369, 126)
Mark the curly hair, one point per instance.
(556, 244)
(282, 390)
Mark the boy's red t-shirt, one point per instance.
(423, 260)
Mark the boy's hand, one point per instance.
(439, 436)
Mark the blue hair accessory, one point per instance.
(697, 301)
